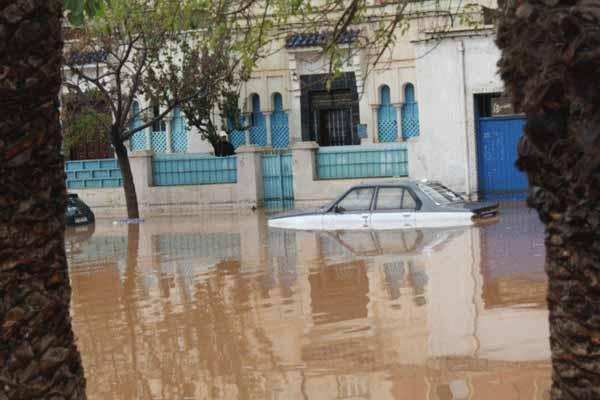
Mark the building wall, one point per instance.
(449, 73)
(446, 74)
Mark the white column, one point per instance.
(294, 107)
(375, 124)
(267, 116)
(168, 133)
(247, 131)
(148, 132)
(399, 120)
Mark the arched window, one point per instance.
(280, 133)
(410, 113)
(387, 120)
(258, 128)
(179, 139)
(138, 140)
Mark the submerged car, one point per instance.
(78, 213)
(391, 205)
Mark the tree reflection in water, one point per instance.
(169, 310)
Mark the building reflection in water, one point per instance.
(223, 308)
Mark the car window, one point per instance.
(389, 198)
(395, 198)
(357, 200)
(440, 194)
(408, 201)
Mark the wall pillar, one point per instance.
(250, 191)
(304, 168)
(399, 120)
(141, 169)
(247, 118)
(375, 125)
(148, 133)
(294, 106)
(267, 115)
(168, 124)
(295, 119)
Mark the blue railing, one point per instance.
(193, 169)
(95, 174)
(342, 162)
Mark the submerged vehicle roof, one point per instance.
(394, 182)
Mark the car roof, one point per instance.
(395, 182)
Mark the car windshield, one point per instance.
(439, 193)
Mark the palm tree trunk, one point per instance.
(38, 356)
(128, 185)
(551, 67)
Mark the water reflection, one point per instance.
(223, 308)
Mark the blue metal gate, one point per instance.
(497, 139)
(278, 180)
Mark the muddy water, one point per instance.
(221, 307)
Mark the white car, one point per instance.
(390, 205)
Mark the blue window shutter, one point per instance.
(279, 124)
(258, 130)
(410, 113)
(387, 121)
(179, 139)
(138, 139)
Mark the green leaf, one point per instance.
(79, 9)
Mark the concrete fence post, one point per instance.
(304, 156)
(250, 191)
(141, 169)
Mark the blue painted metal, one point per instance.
(158, 141)
(237, 138)
(387, 120)
(319, 39)
(193, 169)
(361, 129)
(278, 180)
(179, 139)
(104, 173)
(497, 140)
(138, 140)
(343, 162)
(258, 130)
(280, 133)
(410, 113)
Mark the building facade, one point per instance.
(435, 90)
(429, 92)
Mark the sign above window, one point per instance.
(502, 106)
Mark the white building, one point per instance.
(429, 91)
(435, 94)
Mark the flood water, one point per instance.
(221, 307)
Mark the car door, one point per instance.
(353, 211)
(394, 208)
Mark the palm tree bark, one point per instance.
(38, 356)
(551, 67)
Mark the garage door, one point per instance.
(497, 140)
